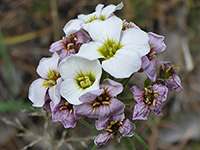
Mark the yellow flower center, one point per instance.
(109, 48)
(85, 81)
(52, 76)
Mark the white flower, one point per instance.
(80, 76)
(100, 13)
(50, 80)
(120, 51)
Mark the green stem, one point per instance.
(129, 143)
(85, 123)
(141, 141)
(94, 147)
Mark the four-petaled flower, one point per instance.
(84, 21)
(157, 45)
(150, 98)
(168, 74)
(101, 103)
(120, 51)
(70, 44)
(113, 127)
(64, 113)
(50, 80)
(80, 76)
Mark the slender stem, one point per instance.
(129, 143)
(94, 147)
(85, 123)
(141, 141)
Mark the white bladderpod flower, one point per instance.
(80, 76)
(119, 51)
(100, 13)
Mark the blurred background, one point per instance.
(27, 29)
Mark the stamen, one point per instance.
(156, 92)
(109, 130)
(155, 95)
(105, 103)
(64, 41)
(80, 78)
(120, 123)
(96, 103)
(169, 69)
(100, 98)
(107, 98)
(66, 103)
(63, 107)
(86, 77)
(88, 82)
(154, 102)
(152, 54)
(82, 84)
(130, 25)
(70, 44)
(162, 66)
(71, 110)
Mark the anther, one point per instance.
(71, 110)
(107, 98)
(66, 103)
(152, 54)
(109, 130)
(105, 103)
(64, 41)
(70, 44)
(155, 95)
(154, 102)
(130, 25)
(100, 98)
(82, 83)
(169, 69)
(162, 66)
(63, 107)
(53, 82)
(95, 103)
(86, 77)
(80, 78)
(88, 82)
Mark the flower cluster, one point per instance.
(85, 73)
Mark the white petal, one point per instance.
(86, 18)
(123, 64)
(70, 91)
(72, 26)
(108, 10)
(136, 40)
(89, 51)
(37, 93)
(74, 64)
(69, 70)
(47, 64)
(98, 10)
(108, 29)
(54, 92)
